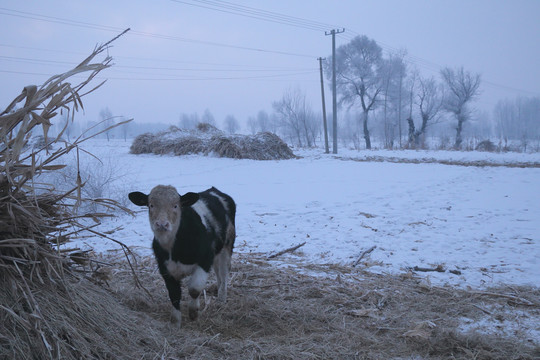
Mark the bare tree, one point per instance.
(188, 121)
(392, 72)
(429, 101)
(262, 123)
(266, 122)
(231, 124)
(358, 76)
(69, 125)
(208, 118)
(518, 120)
(296, 118)
(125, 129)
(461, 89)
(252, 125)
(107, 119)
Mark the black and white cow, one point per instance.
(192, 233)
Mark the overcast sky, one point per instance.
(237, 57)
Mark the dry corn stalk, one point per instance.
(32, 216)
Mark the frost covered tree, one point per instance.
(252, 124)
(462, 88)
(70, 127)
(189, 121)
(518, 119)
(208, 118)
(393, 72)
(124, 129)
(231, 124)
(106, 119)
(261, 123)
(428, 101)
(296, 118)
(359, 69)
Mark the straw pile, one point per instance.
(276, 310)
(35, 219)
(208, 140)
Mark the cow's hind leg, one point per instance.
(196, 284)
(222, 263)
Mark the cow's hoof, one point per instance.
(193, 314)
(176, 317)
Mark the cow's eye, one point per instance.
(151, 206)
(176, 206)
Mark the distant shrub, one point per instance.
(207, 140)
(207, 128)
(101, 179)
(486, 145)
(38, 142)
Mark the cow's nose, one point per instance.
(162, 225)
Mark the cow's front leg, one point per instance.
(197, 282)
(175, 294)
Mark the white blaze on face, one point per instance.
(164, 212)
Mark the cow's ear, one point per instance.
(189, 199)
(138, 198)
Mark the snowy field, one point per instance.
(482, 223)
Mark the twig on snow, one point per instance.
(291, 249)
(364, 254)
(439, 268)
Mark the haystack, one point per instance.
(44, 311)
(208, 140)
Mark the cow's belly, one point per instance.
(179, 270)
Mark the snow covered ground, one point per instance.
(481, 222)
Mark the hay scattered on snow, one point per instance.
(280, 312)
(208, 140)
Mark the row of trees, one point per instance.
(190, 121)
(518, 119)
(370, 81)
(381, 97)
(381, 93)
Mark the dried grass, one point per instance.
(207, 140)
(277, 310)
(35, 276)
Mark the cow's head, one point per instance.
(165, 211)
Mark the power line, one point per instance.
(167, 77)
(246, 11)
(51, 19)
(54, 62)
(153, 60)
(259, 14)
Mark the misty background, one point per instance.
(250, 66)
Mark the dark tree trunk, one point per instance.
(411, 131)
(459, 128)
(366, 131)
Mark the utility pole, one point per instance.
(327, 150)
(334, 98)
